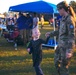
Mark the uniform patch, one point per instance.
(71, 26)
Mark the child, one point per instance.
(35, 48)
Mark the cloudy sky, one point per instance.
(5, 4)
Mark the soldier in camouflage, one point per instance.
(66, 39)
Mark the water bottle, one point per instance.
(15, 46)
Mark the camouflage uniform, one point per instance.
(65, 44)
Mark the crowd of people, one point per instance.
(24, 23)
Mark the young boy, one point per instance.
(35, 48)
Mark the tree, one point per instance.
(73, 4)
(5, 14)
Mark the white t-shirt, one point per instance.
(35, 21)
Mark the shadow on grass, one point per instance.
(15, 58)
(23, 71)
(23, 57)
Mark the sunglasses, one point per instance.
(58, 8)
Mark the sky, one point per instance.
(5, 4)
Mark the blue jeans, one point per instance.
(38, 69)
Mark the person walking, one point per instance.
(66, 38)
(35, 20)
(42, 21)
(35, 48)
(29, 26)
(21, 26)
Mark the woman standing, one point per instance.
(66, 39)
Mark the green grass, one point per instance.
(19, 62)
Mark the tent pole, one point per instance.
(54, 30)
(54, 22)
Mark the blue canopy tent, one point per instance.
(38, 7)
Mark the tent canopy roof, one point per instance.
(37, 6)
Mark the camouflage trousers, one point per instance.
(61, 63)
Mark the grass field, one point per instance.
(19, 62)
